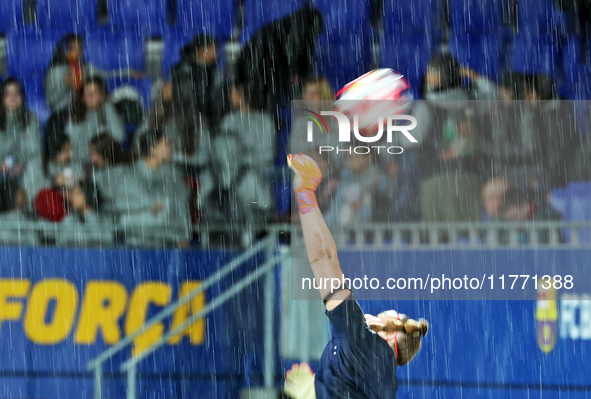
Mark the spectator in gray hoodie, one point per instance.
(92, 114)
(12, 199)
(238, 186)
(151, 197)
(54, 169)
(109, 163)
(255, 131)
(68, 70)
(82, 225)
(20, 133)
(188, 132)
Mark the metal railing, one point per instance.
(269, 245)
(480, 235)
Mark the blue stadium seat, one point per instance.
(476, 16)
(410, 38)
(11, 15)
(149, 17)
(258, 14)
(342, 59)
(541, 33)
(536, 54)
(576, 82)
(573, 202)
(409, 56)
(408, 18)
(78, 16)
(205, 16)
(341, 16)
(540, 18)
(112, 51)
(477, 35)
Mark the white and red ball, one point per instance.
(378, 93)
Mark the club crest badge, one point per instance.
(546, 317)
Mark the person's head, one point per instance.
(105, 151)
(493, 193)
(443, 72)
(57, 149)
(317, 88)
(237, 98)
(403, 334)
(13, 103)
(94, 93)
(12, 94)
(93, 97)
(154, 145)
(70, 47)
(202, 50)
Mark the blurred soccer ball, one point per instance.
(378, 93)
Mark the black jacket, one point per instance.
(275, 54)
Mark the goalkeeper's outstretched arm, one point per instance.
(321, 248)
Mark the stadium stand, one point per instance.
(150, 19)
(477, 34)
(214, 17)
(541, 30)
(75, 16)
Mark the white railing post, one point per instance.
(131, 382)
(98, 382)
(270, 318)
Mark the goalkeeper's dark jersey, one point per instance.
(356, 363)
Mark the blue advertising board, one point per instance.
(60, 308)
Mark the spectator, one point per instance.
(20, 131)
(54, 169)
(318, 95)
(448, 88)
(493, 194)
(355, 197)
(396, 197)
(188, 132)
(12, 200)
(197, 81)
(68, 70)
(236, 192)
(81, 225)
(531, 141)
(452, 194)
(109, 163)
(151, 197)
(12, 196)
(254, 131)
(92, 114)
